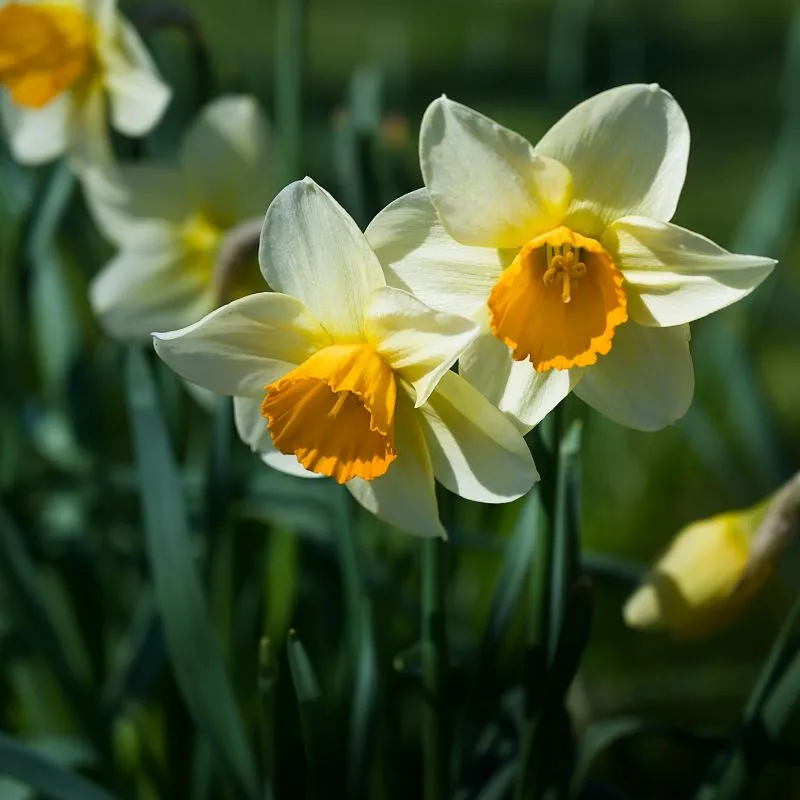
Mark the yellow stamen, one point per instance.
(199, 233)
(568, 268)
(335, 413)
(559, 302)
(340, 401)
(44, 49)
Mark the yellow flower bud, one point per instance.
(704, 578)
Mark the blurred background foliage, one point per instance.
(99, 529)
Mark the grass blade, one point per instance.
(513, 572)
(566, 534)
(142, 657)
(290, 36)
(597, 739)
(772, 700)
(267, 678)
(435, 722)
(22, 762)
(309, 702)
(361, 652)
(193, 649)
(35, 617)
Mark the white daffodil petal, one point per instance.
(476, 452)
(676, 275)
(91, 154)
(253, 431)
(418, 255)
(627, 150)
(104, 14)
(138, 96)
(310, 248)
(515, 387)
(489, 186)
(406, 495)
(419, 343)
(38, 135)
(137, 198)
(226, 160)
(646, 381)
(153, 284)
(245, 345)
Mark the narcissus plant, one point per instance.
(705, 577)
(334, 373)
(168, 222)
(564, 254)
(62, 64)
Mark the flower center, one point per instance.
(44, 49)
(559, 301)
(199, 233)
(566, 266)
(335, 413)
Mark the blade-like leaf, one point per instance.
(566, 532)
(36, 618)
(597, 739)
(193, 649)
(513, 572)
(307, 691)
(141, 658)
(25, 764)
(290, 38)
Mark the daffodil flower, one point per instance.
(334, 373)
(703, 580)
(61, 63)
(563, 252)
(168, 222)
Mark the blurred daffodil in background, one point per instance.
(62, 64)
(336, 374)
(564, 254)
(169, 223)
(715, 566)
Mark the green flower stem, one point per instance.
(436, 733)
(267, 676)
(767, 710)
(541, 634)
(290, 51)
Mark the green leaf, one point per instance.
(193, 649)
(290, 39)
(34, 615)
(364, 709)
(362, 658)
(566, 532)
(217, 494)
(573, 640)
(309, 697)
(499, 786)
(141, 655)
(55, 324)
(513, 573)
(772, 700)
(267, 679)
(281, 572)
(25, 764)
(598, 738)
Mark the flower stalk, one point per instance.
(436, 733)
(557, 624)
(290, 54)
